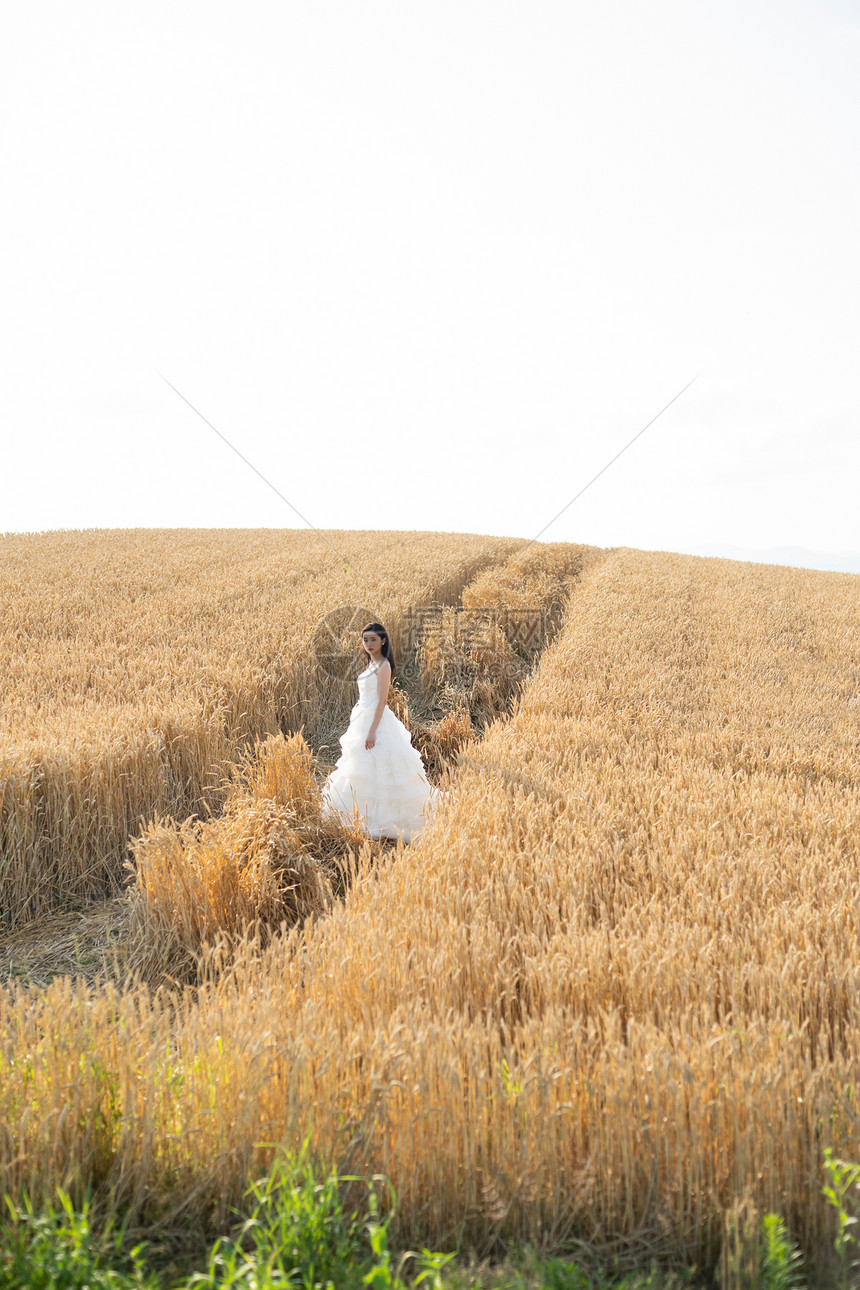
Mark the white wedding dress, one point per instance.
(387, 782)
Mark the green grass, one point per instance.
(309, 1230)
(60, 1248)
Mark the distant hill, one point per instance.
(798, 556)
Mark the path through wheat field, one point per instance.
(614, 988)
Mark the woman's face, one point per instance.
(372, 642)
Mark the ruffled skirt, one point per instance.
(387, 783)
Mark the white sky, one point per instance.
(429, 266)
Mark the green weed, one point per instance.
(844, 1177)
(58, 1248)
(780, 1261)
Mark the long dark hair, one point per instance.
(387, 651)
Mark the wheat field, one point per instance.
(612, 990)
(136, 664)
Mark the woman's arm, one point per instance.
(384, 675)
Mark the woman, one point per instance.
(378, 770)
